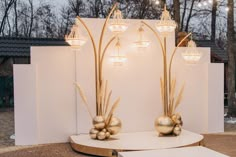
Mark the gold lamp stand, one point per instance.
(105, 124)
(170, 123)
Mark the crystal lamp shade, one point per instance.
(117, 24)
(141, 43)
(191, 55)
(166, 25)
(74, 39)
(117, 58)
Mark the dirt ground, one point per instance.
(6, 128)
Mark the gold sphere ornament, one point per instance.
(114, 126)
(99, 122)
(177, 130)
(93, 133)
(101, 135)
(164, 125)
(177, 119)
(108, 135)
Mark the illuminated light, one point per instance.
(74, 38)
(199, 5)
(191, 55)
(141, 43)
(210, 1)
(157, 2)
(204, 3)
(118, 59)
(227, 9)
(166, 25)
(117, 24)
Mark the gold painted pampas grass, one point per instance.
(104, 123)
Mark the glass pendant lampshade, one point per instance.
(191, 55)
(117, 58)
(141, 43)
(166, 25)
(117, 24)
(74, 38)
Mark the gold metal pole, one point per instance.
(101, 38)
(165, 79)
(104, 52)
(157, 36)
(172, 56)
(95, 59)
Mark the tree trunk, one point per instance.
(8, 6)
(31, 17)
(213, 20)
(9, 26)
(183, 15)
(231, 62)
(177, 14)
(189, 16)
(163, 2)
(16, 19)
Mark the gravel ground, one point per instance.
(52, 150)
(230, 128)
(224, 143)
(6, 128)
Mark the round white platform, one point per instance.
(132, 142)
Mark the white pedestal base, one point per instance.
(176, 152)
(132, 142)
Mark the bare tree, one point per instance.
(213, 20)
(16, 19)
(231, 62)
(189, 16)
(65, 21)
(8, 5)
(183, 15)
(31, 17)
(177, 13)
(77, 6)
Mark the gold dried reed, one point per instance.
(104, 104)
(84, 99)
(170, 108)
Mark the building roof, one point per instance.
(216, 51)
(20, 47)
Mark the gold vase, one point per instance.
(164, 125)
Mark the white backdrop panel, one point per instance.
(56, 93)
(137, 82)
(25, 104)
